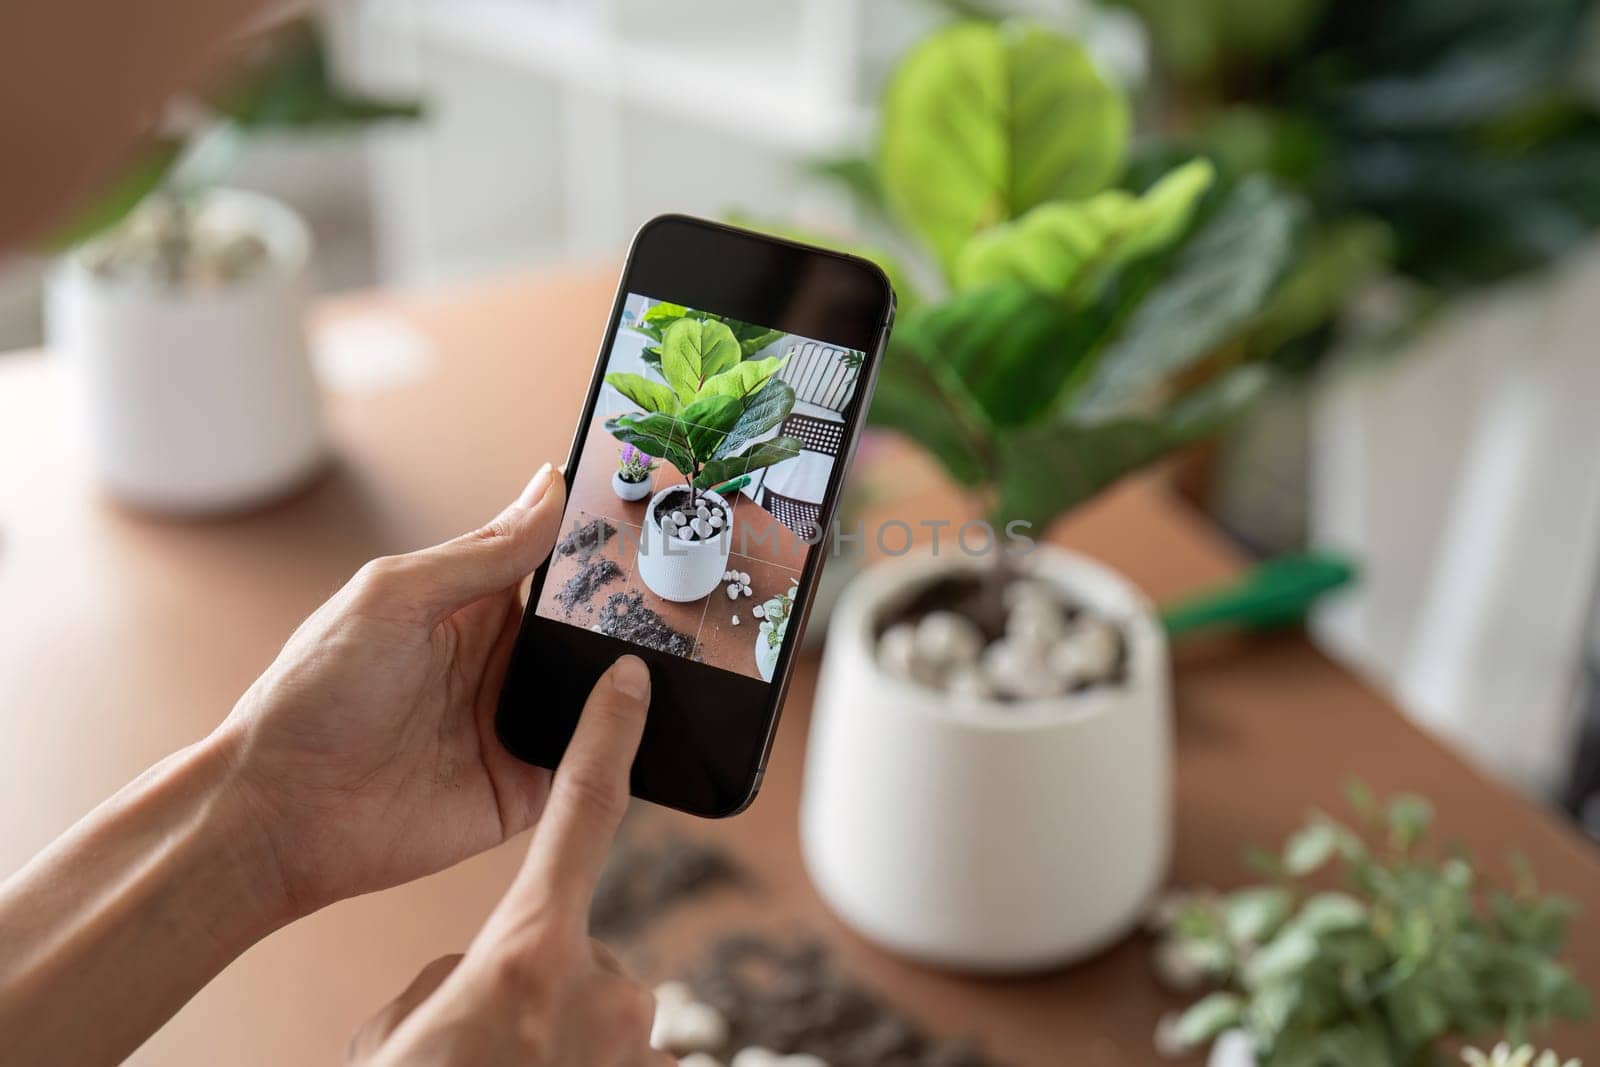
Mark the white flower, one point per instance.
(1503, 1055)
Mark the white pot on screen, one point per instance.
(682, 570)
(627, 490)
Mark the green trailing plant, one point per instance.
(775, 617)
(281, 83)
(1086, 321)
(710, 413)
(1469, 130)
(1414, 951)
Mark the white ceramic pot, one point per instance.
(629, 490)
(682, 570)
(197, 400)
(982, 836)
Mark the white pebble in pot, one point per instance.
(1036, 621)
(1086, 654)
(678, 518)
(897, 650)
(702, 526)
(699, 1059)
(1019, 670)
(945, 639)
(756, 1056)
(683, 1024)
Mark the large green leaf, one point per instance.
(654, 322)
(662, 436)
(1011, 349)
(706, 423)
(1048, 468)
(124, 194)
(1070, 247)
(913, 399)
(286, 83)
(752, 339)
(983, 122)
(762, 455)
(762, 413)
(649, 395)
(693, 350)
(1214, 287)
(744, 378)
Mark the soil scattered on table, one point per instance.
(644, 879)
(594, 572)
(584, 541)
(625, 617)
(790, 999)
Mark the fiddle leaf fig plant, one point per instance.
(1084, 324)
(709, 415)
(661, 317)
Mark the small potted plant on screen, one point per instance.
(632, 478)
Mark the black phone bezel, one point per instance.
(704, 753)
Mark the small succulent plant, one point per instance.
(1412, 951)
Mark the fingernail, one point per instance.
(631, 677)
(537, 486)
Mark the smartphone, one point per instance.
(702, 485)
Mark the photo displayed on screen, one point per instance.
(697, 498)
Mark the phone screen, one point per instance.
(697, 498)
(705, 470)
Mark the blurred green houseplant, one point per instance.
(281, 83)
(1412, 952)
(1080, 329)
(1469, 130)
(1456, 144)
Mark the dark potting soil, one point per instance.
(626, 617)
(593, 572)
(584, 541)
(643, 879)
(790, 999)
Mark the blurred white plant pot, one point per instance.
(682, 570)
(985, 836)
(627, 490)
(197, 399)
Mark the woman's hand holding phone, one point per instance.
(367, 750)
(533, 989)
(364, 757)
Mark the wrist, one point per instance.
(239, 840)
